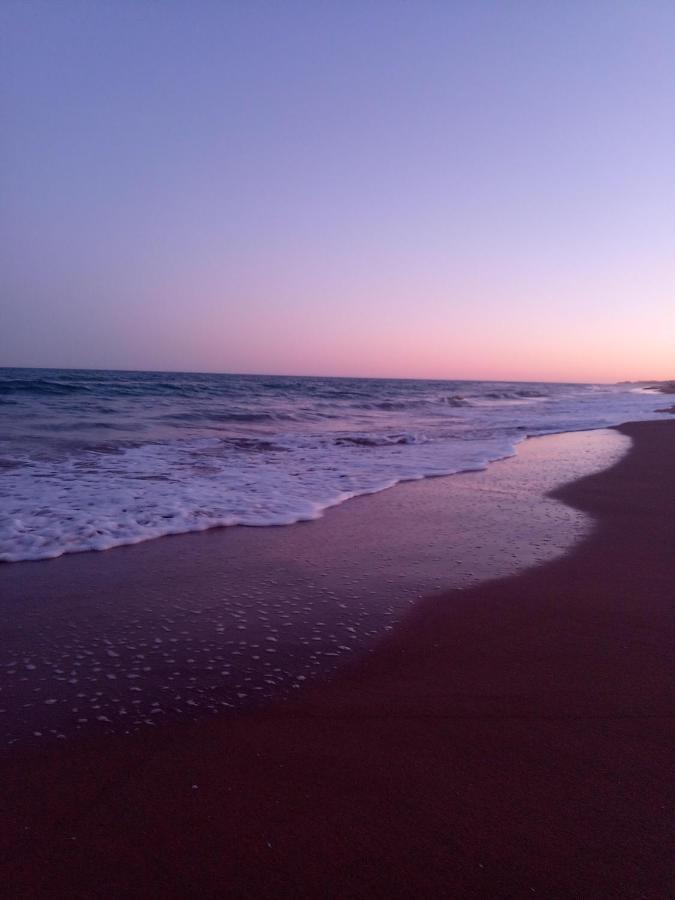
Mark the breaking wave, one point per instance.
(93, 460)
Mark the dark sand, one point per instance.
(508, 739)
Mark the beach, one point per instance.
(502, 730)
(197, 624)
(337, 532)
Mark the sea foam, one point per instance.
(90, 461)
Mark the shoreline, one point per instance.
(494, 745)
(329, 506)
(222, 620)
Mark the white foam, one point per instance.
(94, 500)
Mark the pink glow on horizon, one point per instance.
(479, 191)
(407, 329)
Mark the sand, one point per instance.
(510, 738)
(187, 626)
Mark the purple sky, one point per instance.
(468, 189)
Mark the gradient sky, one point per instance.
(453, 189)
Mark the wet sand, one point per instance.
(208, 623)
(510, 738)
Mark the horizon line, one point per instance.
(314, 376)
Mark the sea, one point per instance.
(91, 460)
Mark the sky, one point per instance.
(408, 189)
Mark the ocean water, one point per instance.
(91, 460)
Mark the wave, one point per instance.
(456, 401)
(362, 440)
(40, 386)
(254, 445)
(93, 425)
(391, 405)
(228, 416)
(523, 394)
(153, 491)
(250, 450)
